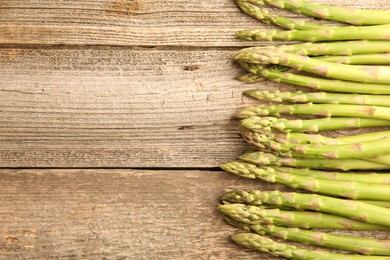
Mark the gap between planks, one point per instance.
(177, 169)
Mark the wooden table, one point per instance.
(114, 116)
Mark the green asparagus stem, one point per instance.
(250, 78)
(314, 148)
(263, 244)
(323, 150)
(301, 219)
(331, 85)
(345, 48)
(268, 18)
(366, 246)
(264, 159)
(359, 73)
(384, 159)
(352, 209)
(359, 59)
(370, 136)
(318, 97)
(380, 203)
(356, 151)
(374, 32)
(324, 110)
(346, 189)
(310, 125)
(345, 15)
(302, 138)
(366, 177)
(370, 149)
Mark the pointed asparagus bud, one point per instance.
(342, 207)
(310, 125)
(353, 16)
(302, 219)
(318, 97)
(264, 159)
(266, 245)
(268, 18)
(360, 73)
(346, 189)
(280, 76)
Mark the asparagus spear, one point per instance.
(263, 159)
(345, 48)
(250, 78)
(319, 149)
(359, 73)
(366, 246)
(384, 159)
(357, 151)
(339, 153)
(369, 149)
(380, 203)
(301, 219)
(318, 97)
(268, 18)
(303, 138)
(346, 189)
(276, 75)
(353, 209)
(267, 140)
(263, 244)
(325, 110)
(370, 136)
(345, 15)
(266, 135)
(310, 125)
(344, 33)
(367, 59)
(367, 177)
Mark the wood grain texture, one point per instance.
(132, 22)
(121, 83)
(119, 107)
(116, 214)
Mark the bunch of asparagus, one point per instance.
(345, 76)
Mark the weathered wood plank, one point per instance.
(121, 22)
(132, 22)
(116, 214)
(114, 107)
(119, 107)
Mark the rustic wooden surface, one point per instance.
(118, 107)
(123, 84)
(115, 214)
